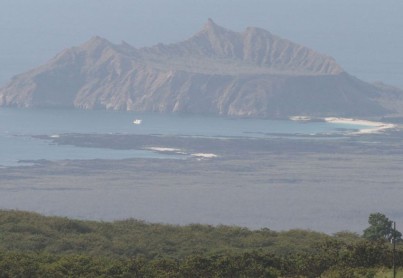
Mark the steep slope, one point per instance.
(217, 71)
(254, 50)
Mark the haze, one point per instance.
(363, 36)
(364, 39)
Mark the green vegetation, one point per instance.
(25, 231)
(381, 228)
(32, 245)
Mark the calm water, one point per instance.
(17, 125)
(310, 205)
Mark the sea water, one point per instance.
(17, 126)
(313, 204)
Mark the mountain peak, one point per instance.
(96, 42)
(210, 24)
(219, 71)
(211, 27)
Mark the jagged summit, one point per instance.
(96, 44)
(210, 25)
(213, 29)
(97, 41)
(217, 71)
(258, 47)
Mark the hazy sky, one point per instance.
(364, 36)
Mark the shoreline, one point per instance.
(372, 127)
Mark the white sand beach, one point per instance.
(372, 127)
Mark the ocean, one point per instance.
(17, 126)
(327, 193)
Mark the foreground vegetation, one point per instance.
(32, 245)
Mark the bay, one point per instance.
(17, 126)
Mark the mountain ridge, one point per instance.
(216, 71)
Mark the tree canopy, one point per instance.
(381, 228)
(32, 245)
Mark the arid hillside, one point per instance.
(217, 71)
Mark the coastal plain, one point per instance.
(326, 184)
